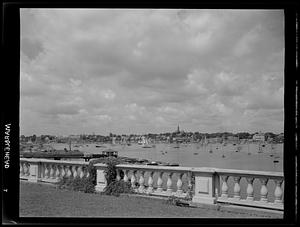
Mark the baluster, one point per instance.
(21, 169)
(46, 172)
(25, 168)
(63, 173)
(28, 169)
(52, 171)
(278, 192)
(237, 188)
(179, 183)
(159, 182)
(133, 179)
(141, 181)
(74, 171)
(224, 186)
(118, 175)
(125, 175)
(57, 173)
(150, 182)
(263, 190)
(80, 170)
(250, 188)
(68, 171)
(169, 183)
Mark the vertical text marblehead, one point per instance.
(7, 146)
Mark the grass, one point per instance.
(40, 200)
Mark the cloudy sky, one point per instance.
(141, 71)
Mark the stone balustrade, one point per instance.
(250, 188)
(157, 180)
(45, 170)
(202, 185)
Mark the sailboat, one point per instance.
(210, 149)
(113, 142)
(260, 148)
(248, 144)
(145, 143)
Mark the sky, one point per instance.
(128, 71)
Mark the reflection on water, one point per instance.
(246, 156)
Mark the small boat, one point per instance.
(195, 153)
(173, 164)
(110, 152)
(275, 161)
(210, 151)
(152, 163)
(146, 146)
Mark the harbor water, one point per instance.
(231, 156)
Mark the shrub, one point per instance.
(117, 187)
(85, 184)
(110, 170)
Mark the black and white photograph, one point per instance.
(152, 113)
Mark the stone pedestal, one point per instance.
(204, 186)
(35, 172)
(101, 180)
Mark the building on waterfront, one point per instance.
(260, 137)
(232, 139)
(215, 140)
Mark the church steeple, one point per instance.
(178, 130)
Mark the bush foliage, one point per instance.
(117, 187)
(87, 185)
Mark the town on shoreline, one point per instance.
(178, 136)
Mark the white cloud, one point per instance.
(208, 69)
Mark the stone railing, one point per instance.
(250, 188)
(201, 185)
(45, 170)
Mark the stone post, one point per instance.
(204, 185)
(35, 171)
(100, 176)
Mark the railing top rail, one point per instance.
(232, 172)
(42, 160)
(249, 173)
(155, 167)
(203, 170)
